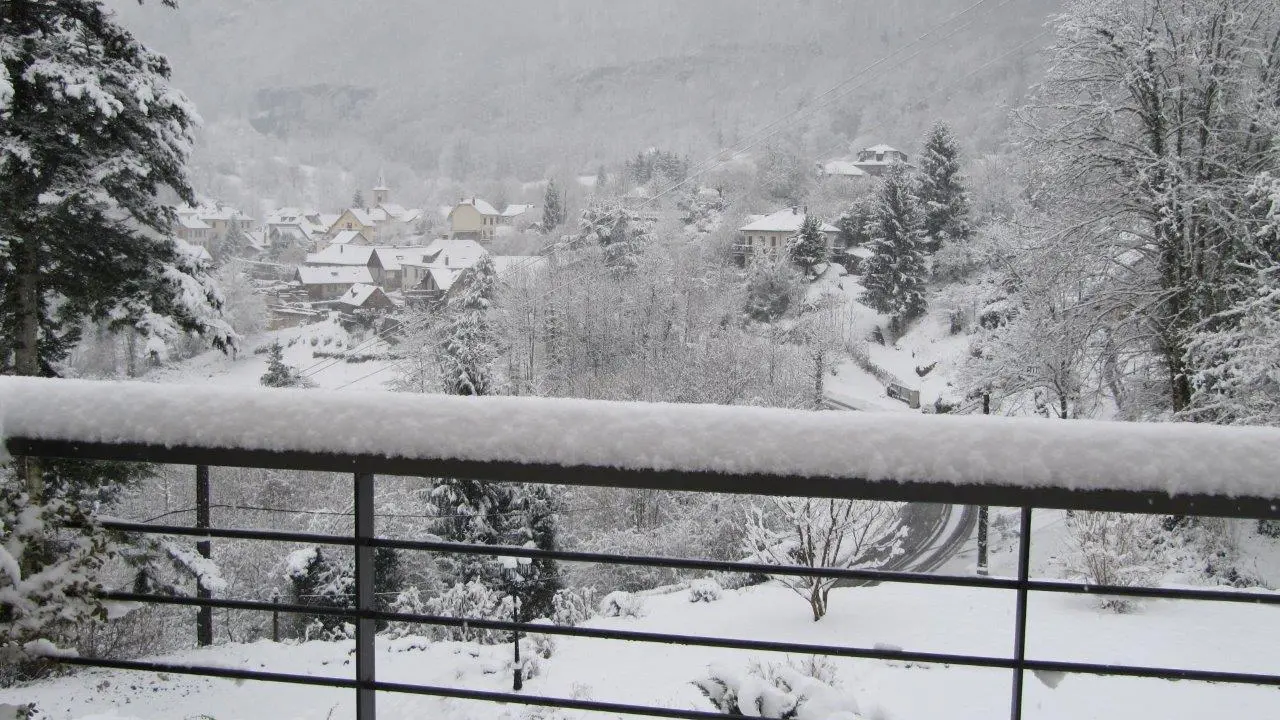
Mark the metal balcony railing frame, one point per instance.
(364, 540)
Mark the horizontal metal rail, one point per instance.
(892, 576)
(697, 481)
(363, 540)
(885, 654)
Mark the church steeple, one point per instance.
(381, 193)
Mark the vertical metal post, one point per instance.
(1020, 621)
(365, 627)
(204, 615)
(984, 511)
(517, 677)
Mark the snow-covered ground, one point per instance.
(1198, 635)
(928, 342)
(301, 346)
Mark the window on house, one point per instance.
(773, 242)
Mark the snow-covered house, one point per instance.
(473, 219)
(329, 282)
(349, 237)
(514, 213)
(362, 296)
(437, 265)
(358, 220)
(877, 159)
(193, 230)
(773, 232)
(841, 169)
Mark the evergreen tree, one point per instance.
(232, 245)
(279, 374)
(83, 233)
(895, 275)
(854, 222)
(357, 200)
(809, 248)
(619, 230)
(552, 207)
(318, 581)
(474, 512)
(537, 527)
(91, 134)
(943, 198)
(602, 179)
(468, 348)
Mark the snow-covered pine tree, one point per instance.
(619, 230)
(552, 207)
(475, 512)
(809, 248)
(91, 133)
(853, 223)
(357, 200)
(944, 201)
(85, 234)
(318, 581)
(233, 244)
(467, 349)
(280, 374)
(896, 272)
(535, 523)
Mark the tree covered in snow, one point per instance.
(91, 134)
(809, 248)
(552, 207)
(944, 201)
(317, 580)
(233, 244)
(783, 174)
(280, 374)
(467, 350)
(855, 222)
(50, 558)
(773, 288)
(476, 512)
(895, 274)
(823, 533)
(1236, 350)
(621, 231)
(244, 309)
(1147, 136)
(535, 526)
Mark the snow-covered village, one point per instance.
(498, 360)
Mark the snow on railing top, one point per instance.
(1173, 458)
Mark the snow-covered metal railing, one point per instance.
(1178, 469)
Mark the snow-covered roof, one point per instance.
(327, 219)
(881, 449)
(479, 204)
(392, 210)
(341, 255)
(847, 168)
(191, 222)
(443, 276)
(393, 258)
(346, 237)
(516, 210)
(453, 253)
(363, 217)
(359, 294)
(410, 215)
(788, 220)
(334, 274)
(881, 149)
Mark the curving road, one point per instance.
(935, 533)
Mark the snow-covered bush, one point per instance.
(540, 645)
(704, 590)
(48, 576)
(573, 606)
(620, 603)
(470, 600)
(319, 581)
(735, 581)
(409, 602)
(777, 690)
(1113, 549)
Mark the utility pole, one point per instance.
(983, 511)
(204, 616)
